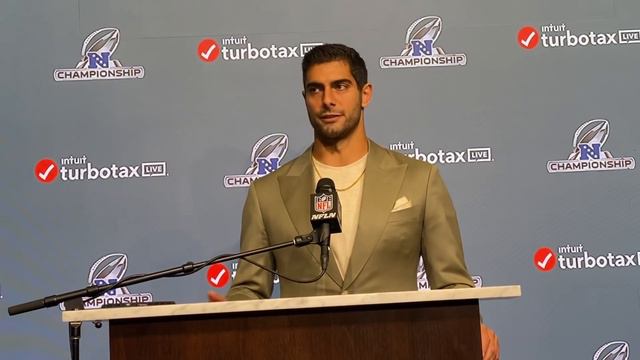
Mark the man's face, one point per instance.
(334, 102)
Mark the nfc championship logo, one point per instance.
(420, 48)
(614, 350)
(323, 203)
(588, 153)
(266, 157)
(97, 61)
(109, 270)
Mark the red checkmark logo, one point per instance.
(208, 50)
(544, 259)
(218, 275)
(46, 171)
(528, 37)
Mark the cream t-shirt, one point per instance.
(350, 199)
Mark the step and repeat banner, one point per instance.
(132, 129)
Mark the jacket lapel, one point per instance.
(296, 186)
(382, 180)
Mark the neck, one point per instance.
(342, 152)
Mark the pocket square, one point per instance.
(401, 204)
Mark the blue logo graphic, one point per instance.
(589, 151)
(99, 60)
(100, 282)
(267, 165)
(422, 47)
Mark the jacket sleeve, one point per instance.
(441, 243)
(252, 282)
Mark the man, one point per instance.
(394, 208)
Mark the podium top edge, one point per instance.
(485, 293)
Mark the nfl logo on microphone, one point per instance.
(323, 203)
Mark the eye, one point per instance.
(342, 86)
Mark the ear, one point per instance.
(367, 94)
(304, 95)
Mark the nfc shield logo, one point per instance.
(614, 350)
(422, 47)
(99, 60)
(266, 166)
(589, 151)
(266, 157)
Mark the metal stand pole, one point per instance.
(74, 339)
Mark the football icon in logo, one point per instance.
(615, 350)
(270, 147)
(426, 28)
(108, 270)
(594, 133)
(101, 41)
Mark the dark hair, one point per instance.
(336, 52)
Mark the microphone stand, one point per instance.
(325, 244)
(97, 290)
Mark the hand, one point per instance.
(490, 343)
(215, 297)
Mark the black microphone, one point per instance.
(326, 215)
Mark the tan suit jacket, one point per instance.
(406, 211)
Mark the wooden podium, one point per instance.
(436, 324)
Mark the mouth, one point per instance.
(330, 117)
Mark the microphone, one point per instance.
(326, 215)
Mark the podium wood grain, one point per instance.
(443, 330)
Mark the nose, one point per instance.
(328, 99)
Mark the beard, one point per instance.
(332, 133)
